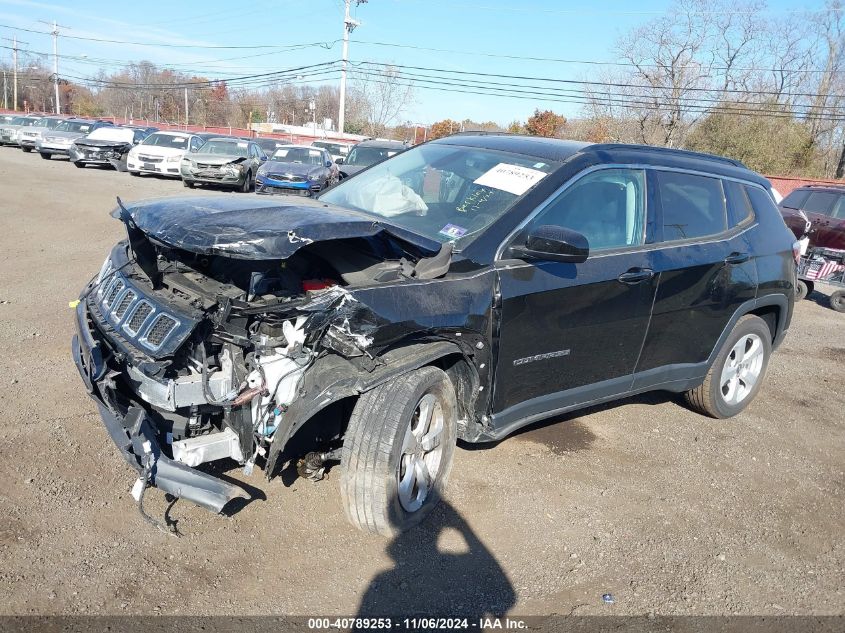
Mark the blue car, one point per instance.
(297, 170)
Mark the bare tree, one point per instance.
(386, 94)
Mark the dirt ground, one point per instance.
(669, 512)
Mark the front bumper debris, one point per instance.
(135, 436)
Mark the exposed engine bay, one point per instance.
(211, 349)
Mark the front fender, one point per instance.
(332, 378)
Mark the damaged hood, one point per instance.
(215, 159)
(99, 142)
(255, 227)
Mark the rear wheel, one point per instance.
(837, 301)
(737, 373)
(398, 450)
(803, 289)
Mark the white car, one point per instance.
(162, 153)
(336, 149)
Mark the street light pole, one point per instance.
(56, 66)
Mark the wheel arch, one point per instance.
(335, 381)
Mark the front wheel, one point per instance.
(398, 450)
(737, 373)
(837, 301)
(80, 165)
(246, 187)
(188, 183)
(45, 155)
(803, 289)
(134, 173)
(26, 149)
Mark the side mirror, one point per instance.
(194, 150)
(262, 158)
(339, 161)
(553, 243)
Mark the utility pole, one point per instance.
(5, 93)
(15, 42)
(186, 107)
(55, 34)
(348, 26)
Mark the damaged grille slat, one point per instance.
(113, 291)
(125, 301)
(140, 314)
(158, 331)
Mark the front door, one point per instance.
(571, 333)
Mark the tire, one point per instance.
(837, 301)
(134, 173)
(80, 165)
(189, 184)
(749, 344)
(247, 186)
(46, 155)
(376, 455)
(803, 289)
(26, 149)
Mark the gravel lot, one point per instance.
(667, 511)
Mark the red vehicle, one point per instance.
(824, 206)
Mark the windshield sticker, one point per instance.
(241, 144)
(313, 152)
(511, 178)
(453, 231)
(539, 165)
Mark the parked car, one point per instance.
(108, 145)
(60, 138)
(29, 136)
(297, 169)
(270, 145)
(824, 206)
(223, 161)
(367, 154)
(162, 153)
(339, 151)
(10, 132)
(462, 289)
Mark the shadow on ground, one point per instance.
(441, 568)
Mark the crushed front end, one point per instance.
(197, 350)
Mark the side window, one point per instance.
(820, 202)
(607, 206)
(196, 142)
(795, 199)
(693, 206)
(761, 201)
(739, 206)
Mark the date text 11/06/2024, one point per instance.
(417, 623)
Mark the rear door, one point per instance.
(571, 333)
(706, 272)
(830, 229)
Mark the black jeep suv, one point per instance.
(462, 289)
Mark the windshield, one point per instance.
(118, 134)
(298, 155)
(332, 148)
(50, 123)
(366, 156)
(166, 140)
(74, 126)
(444, 192)
(27, 122)
(225, 148)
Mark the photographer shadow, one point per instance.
(440, 569)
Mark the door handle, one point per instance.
(636, 275)
(737, 258)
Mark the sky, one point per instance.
(470, 35)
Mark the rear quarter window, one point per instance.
(761, 201)
(693, 206)
(740, 210)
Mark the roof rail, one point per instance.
(822, 185)
(669, 150)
